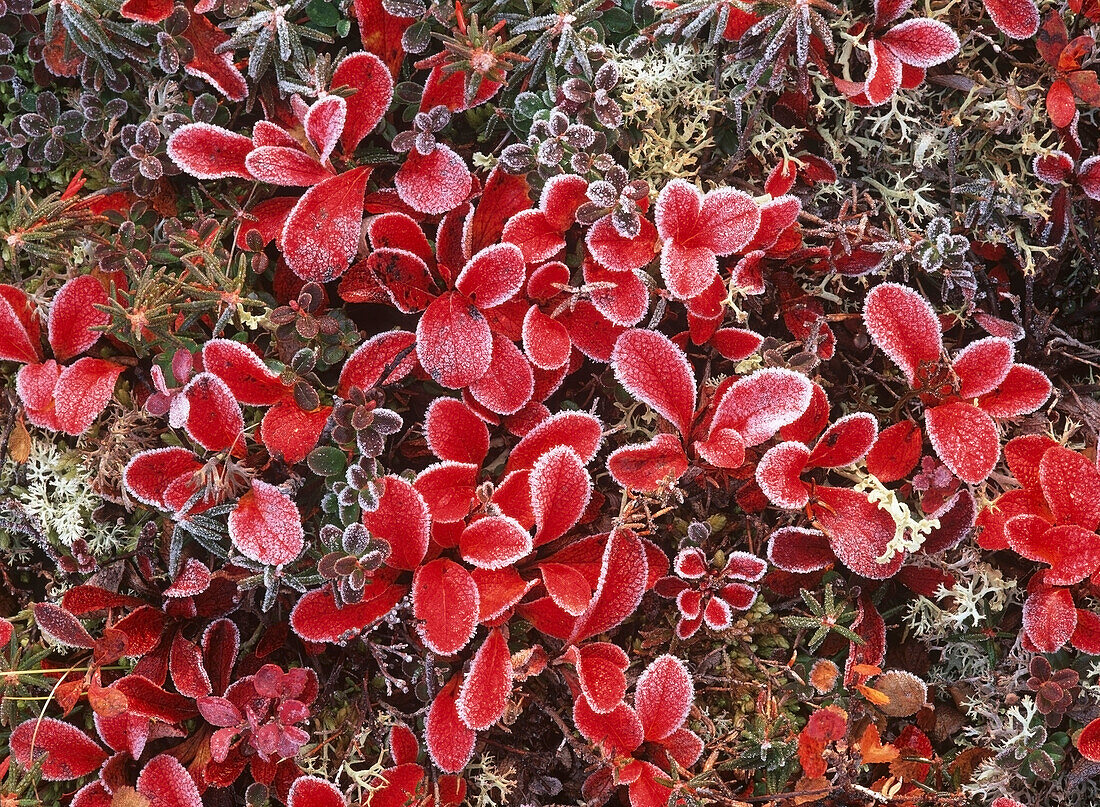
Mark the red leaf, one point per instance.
(760, 404)
(1072, 552)
(1049, 618)
(886, 11)
(147, 474)
(401, 520)
(623, 298)
(19, 332)
(445, 601)
(1056, 166)
(267, 218)
(454, 432)
(561, 196)
(35, 385)
(778, 475)
(811, 422)
(404, 749)
(188, 674)
(83, 390)
(65, 751)
(206, 151)
(568, 588)
(579, 430)
(209, 413)
(1071, 485)
(904, 327)
(1086, 636)
(846, 442)
(292, 432)
(965, 438)
(85, 598)
(1088, 177)
(1088, 742)
(494, 542)
(1017, 19)
(1023, 391)
(560, 492)
(149, 700)
(450, 743)
(142, 629)
(373, 86)
(858, 531)
(615, 251)
(534, 234)
(1061, 105)
(193, 578)
(509, 382)
(776, 217)
(492, 276)
(73, 315)
(663, 697)
(453, 341)
(60, 626)
(922, 42)
(217, 68)
(433, 183)
(654, 370)
(499, 590)
(283, 165)
(265, 525)
(248, 378)
(883, 74)
(379, 354)
(648, 466)
(624, 573)
(736, 344)
(956, 517)
(324, 123)
(981, 366)
(448, 489)
(505, 196)
(405, 277)
(483, 696)
(545, 340)
(618, 732)
(601, 670)
(313, 791)
(896, 451)
(317, 619)
(399, 231)
(322, 233)
(150, 11)
(168, 784)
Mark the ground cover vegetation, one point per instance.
(547, 402)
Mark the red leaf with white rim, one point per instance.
(494, 542)
(209, 413)
(690, 563)
(316, 618)
(389, 353)
(965, 438)
(561, 196)
(1050, 618)
(648, 466)
(291, 432)
(1072, 552)
(20, 335)
(65, 751)
(1022, 391)
(1071, 485)
(147, 473)
(83, 390)
(193, 578)
(60, 626)
(904, 326)
(324, 123)
(206, 151)
(811, 422)
(560, 491)
(858, 531)
(758, 405)
(399, 231)
(534, 234)
(285, 165)
(622, 297)
(618, 732)
(1088, 743)
(736, 344)
(896, 451)
(846, 442)
(433, 183)
(776, 216)
(922, 42)
(1088, 177)
(321, 235)
(545, 340)
(450, 742)
(373, 86)
(1017, 19)
(454, 432)
(404, 276)
(568, 588)
(73, 314)
(883, 73)
(448, 489)
(508, 383)
(265, 525)
(579, 430)
(981, 366)
(445, 602)
(1054, 167)
(654, 370)
(401, 520)
(35, 385)
(601, 670)
(624, 573)
(453, 341)
(218, 68)
(248, 378)
(492, 276)
(483, 696)
(189, 676)
(1086, 636)
(618, 253)
(167, 783)
(313, 791)
(663, 697)
(779, 475)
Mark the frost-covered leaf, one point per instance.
(445, 603)
(402, 521)
(73, 315)
(450, 741)
(209, 413)
(453, 341)
(433, 183)
(560, 491)
(265, 525)
(654, 370)
(779, 475)
(648, 466)
(321, 235)
(663, 697)
(206, 151)
(317, 619)
(64, 750)
(904, 326)
(483, 696)
(83, 390)
(965, 438)
(494, 542)
(373, 86)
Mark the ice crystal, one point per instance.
(909, 533)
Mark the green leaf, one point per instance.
(327, 461)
